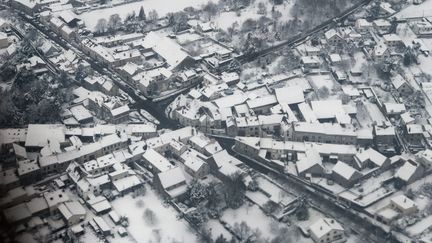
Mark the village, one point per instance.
(215, 121)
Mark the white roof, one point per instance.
(70, 209)
(168, 49)
(171, 177)
(407, 170)
(157, 160)
(324, 226)
(39, 135)
(126, 183)
(372, 155)
(403, 202)
(290, 95)
(344, 170)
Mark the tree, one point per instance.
(101, 26)
(221, 239)
(196, 192)
(178, 21)
(80, 73)
(142, 15)
(114, 22)
(323, 92)
(153, 15)
(262, 9)
(210, 9)
(234, 193)
(150, 217)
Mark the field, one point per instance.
(162, 7)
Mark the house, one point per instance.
(322, 133)
(230, 78)
(370, 158)
(72, 212)
(393, 41)
(99, 204)
(394, 109)
(262, 104)
(310, 163)
(327, 230)
(363, 26)
(403, 204)
(333, 38)
(224, 165)
(55, 198)
(156, 162)
(101, 225)
(414, 134)
(421, 27)
(382, 25)
(381, 52)
(310, 62)
(172, 183)
(345, 175)
(401, 85)
(409, 172)
(194, 164)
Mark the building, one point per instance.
(172, 183)
(370, 158)
(345, 175)
(327, 230)
(322, 133)
(403, 204)
(382, 25)
(401, 85)
(72, 212)
(333, 38)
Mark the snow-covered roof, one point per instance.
(157, 160)
(324, 226)
(39, 135)
(172, 177)
(290, 95)
(371, 155)
(344, 170)
(407, 170)
(70, 209)
(126, 183)
(403, 202)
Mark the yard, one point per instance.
(163, 226)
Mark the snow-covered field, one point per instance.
(254, 218)
(166, 225)
(226, 19)
(415, 11)
(162, 7)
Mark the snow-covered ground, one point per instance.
(254, 217)
(415, 11)
(166, 225)
(162, 7)
(226, 19)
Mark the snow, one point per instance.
(226, 19)
(416, 11)
(217, 229)
(420, 226)
(320, 81)
(162, 8)
(170, 228)
(253, 216)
